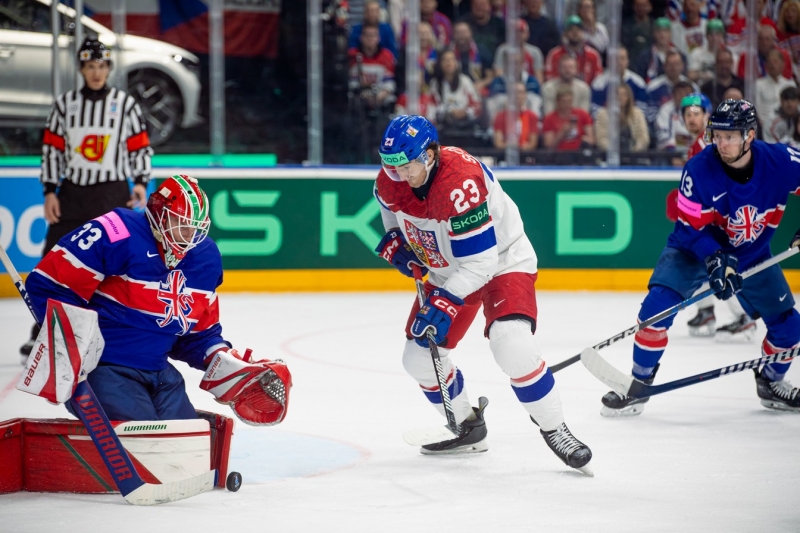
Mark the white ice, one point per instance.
(704, 458)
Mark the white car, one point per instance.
(163, 78)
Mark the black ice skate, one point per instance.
(704, 323)
(743, 329)
(573, 452)
(778, 395)
(616, 404)
(472, 438)
(25, 349)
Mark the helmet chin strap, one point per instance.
(743, 152)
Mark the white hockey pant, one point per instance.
(418, 363)
(518, 353)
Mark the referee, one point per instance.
(95, 139)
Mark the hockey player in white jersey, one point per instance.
(446, 212)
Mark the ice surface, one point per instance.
(705, 458)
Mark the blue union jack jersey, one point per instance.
(717, 213)
(147, 312)
(467, 230)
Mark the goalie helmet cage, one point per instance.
(56, 455)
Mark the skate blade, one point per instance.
(586, 469)
(779, 406)
(726, 337)
(631, 410)
(703, 331)
(478, 447)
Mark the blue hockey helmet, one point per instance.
(696, 100)
(732, 115)
(406, 140)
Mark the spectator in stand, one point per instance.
(574, 44)
(784, 126)
(567, 128)
(767, 41)
(723, 79)
(498, 84)
(637, 30)
(526, 123)
(371, 69)
(428, 53)
(440, 24)
(768, 92)
(499, 8)
(689, 32)
(427, 107)
(737, 25)
(660, 90)
(372, 17)
(468, 55)
(702, 59)
(543, 31)
(532, 56)
(650, 63)
(626, 76)
(789, 32)
(488, 31)
(733, 93)
(457, 102)
(596, 32)
(567, 77)
(633, 132)
(671, 132)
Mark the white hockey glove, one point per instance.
(257, 391)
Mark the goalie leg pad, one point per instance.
(69, 343)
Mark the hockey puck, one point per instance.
(234, 481)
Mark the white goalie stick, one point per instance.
(634, 388)
(420, 437)
(674, 309)
(91, 414)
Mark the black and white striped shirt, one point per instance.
(95, 137)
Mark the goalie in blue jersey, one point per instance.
(732, 198)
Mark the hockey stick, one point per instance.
(674, 309)
(119, 464)
(634, 388)
(419, 437)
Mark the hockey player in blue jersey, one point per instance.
(732, 197)
(151, 278)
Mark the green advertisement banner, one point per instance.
(335, 223)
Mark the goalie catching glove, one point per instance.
(257, 391)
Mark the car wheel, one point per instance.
(160, 101)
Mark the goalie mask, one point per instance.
(178, 215)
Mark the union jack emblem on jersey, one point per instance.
(177, 302)
(747, 225)
(424, 245)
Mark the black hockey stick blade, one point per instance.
(634, 388)
(674, 309)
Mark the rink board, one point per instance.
(314, 229)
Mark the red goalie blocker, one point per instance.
(58, 455)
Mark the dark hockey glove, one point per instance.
(795, 240)
(438, 313)
(722, 275)
(394, 248)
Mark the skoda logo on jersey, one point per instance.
(747, 225)
(93, 147)
(177, 303)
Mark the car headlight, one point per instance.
(190, 64)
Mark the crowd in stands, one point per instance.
(561, 95)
